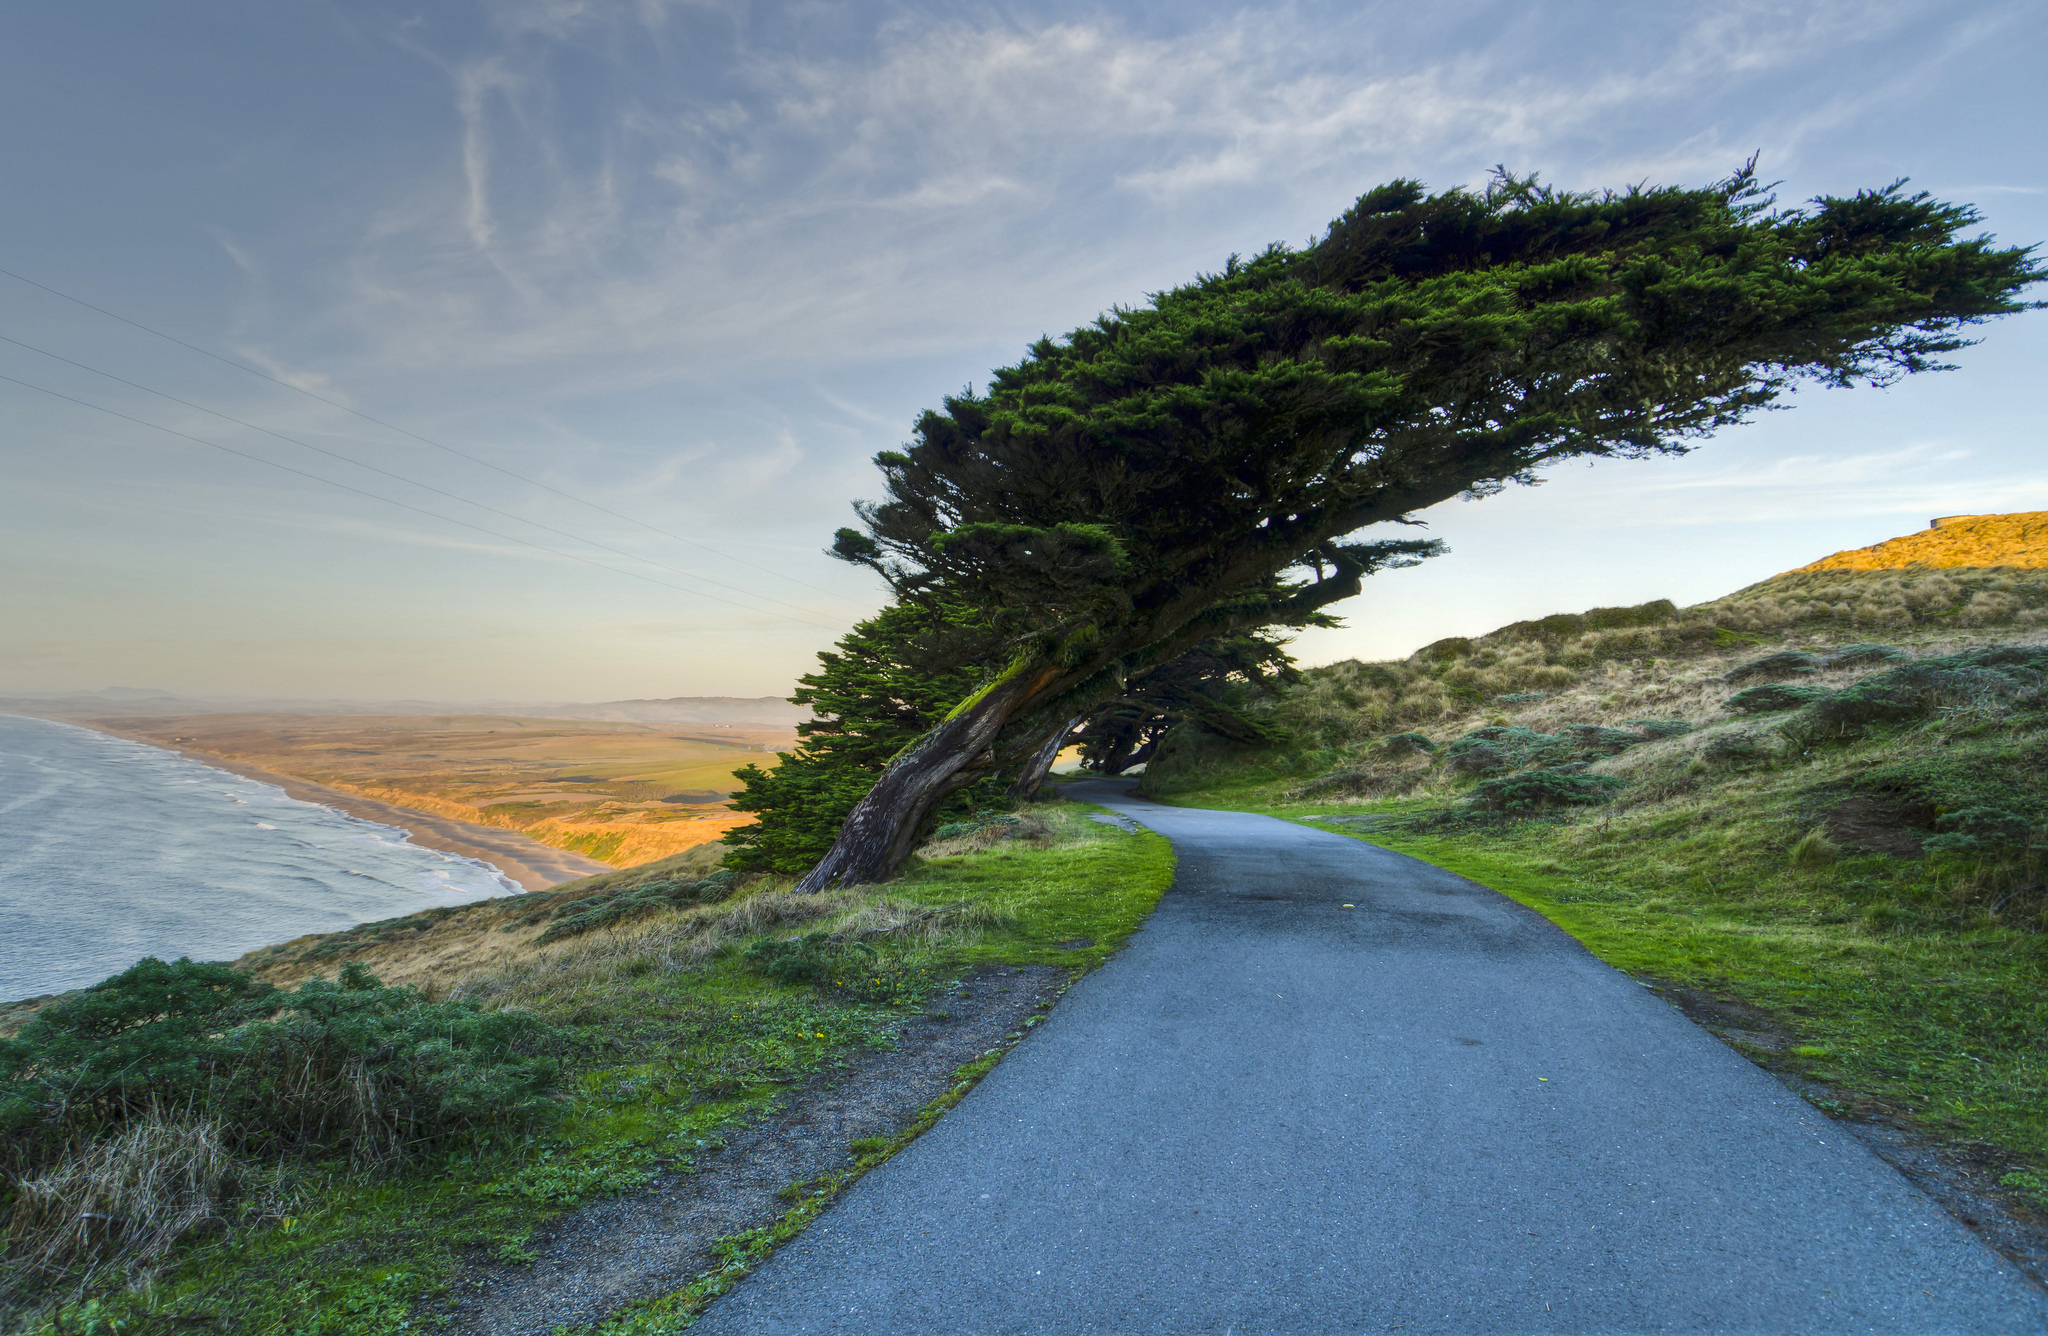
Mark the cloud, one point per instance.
(882, 202)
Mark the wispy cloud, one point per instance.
(882, 202)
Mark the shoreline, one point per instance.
(522, 859)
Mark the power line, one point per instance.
(509, 538)
(411, 482)
(474, 459)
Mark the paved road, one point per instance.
(1431, 1113)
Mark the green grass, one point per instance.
(1095, 884)
(666, 1052)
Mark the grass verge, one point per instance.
(675, 1026)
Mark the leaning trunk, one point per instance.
(882, 828)
(1040, 765)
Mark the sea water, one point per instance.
(111, 850)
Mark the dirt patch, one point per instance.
(596, 1260)
(1961, 1176)
(1870, 825)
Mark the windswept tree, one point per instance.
(1197, 468)
(1198, 687)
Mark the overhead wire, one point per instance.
(461, 454)
(411, 482)
(445, 519)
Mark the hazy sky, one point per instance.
(694, 263)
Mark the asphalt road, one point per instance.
(1433, 1112)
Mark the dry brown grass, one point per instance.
(125, 1199)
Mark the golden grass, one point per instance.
(1984, 541)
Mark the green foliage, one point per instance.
(612, 909)
(1534, 792)
(1785, 663)
(357, 1069)
(1981, 830)
(1858, 655)
(850, 971)
(1772, 697)
(1215, 687)
(1997, 677)
(1194, 468)
(891, 678)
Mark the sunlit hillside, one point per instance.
(1986, 542)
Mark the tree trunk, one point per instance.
(1040, 765)
(882, 829)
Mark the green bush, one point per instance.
(1651, 729)
(355, 1068)
(1852, 656)
(1467, 757)
(1981, 830)
(1785, 663)
(614, 907)
(1412, 743)
(1772, 697)
(1541, 791)
(1997, 676)
(1499, 747)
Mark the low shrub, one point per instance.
(1542, 790)
(1855, 656)
(1994, 677)
(1740, 748)
(1785, 663)
(1981, 830)
(373, 1073)
(1466, 757)
(1651, 729)
(1414, 744)
(1772, 697)
(616, 907)
(980, 821)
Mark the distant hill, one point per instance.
(681, 710)
(1982, 542)
(130, 701)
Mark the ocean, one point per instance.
(111, 850)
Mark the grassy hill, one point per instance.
(1815, 809)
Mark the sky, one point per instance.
(532, 351)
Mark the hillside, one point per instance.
(2018, 541)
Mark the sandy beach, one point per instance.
(532, 864)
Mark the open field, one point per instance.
(621, 793)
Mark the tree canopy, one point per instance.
(1201, 466)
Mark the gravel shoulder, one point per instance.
(653, 1242)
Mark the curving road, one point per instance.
(1433, 1112)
